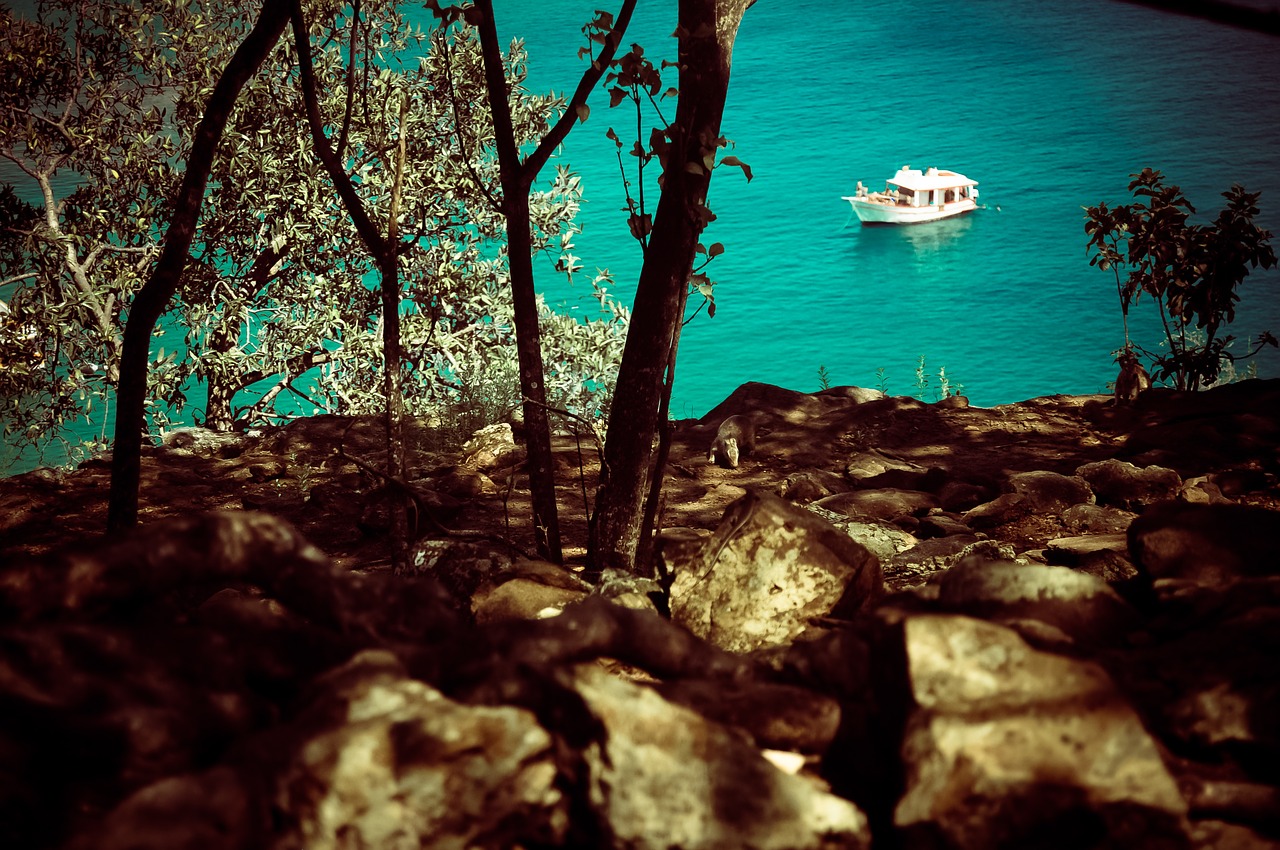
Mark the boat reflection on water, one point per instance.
(923, 239)
(937, 235)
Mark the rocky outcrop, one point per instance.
(663, 776)
(1051, 624)
(1010, 747)
(768, 572)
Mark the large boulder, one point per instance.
(880, 503)
(767, 572)
(1121, 484)
(663, 776)
(1206, 544)
(1035, 492)
(380, 760)
(1080, 606)
(491, 447)
(1210, 681)
(1011, 747)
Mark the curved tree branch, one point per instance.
(154, 297)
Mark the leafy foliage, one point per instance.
(277, 297)
(1191, 271)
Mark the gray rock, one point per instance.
(267, 471)
(1211, 682)
(1003, 509)
(1207, 544)
(1036, 492)
(203, 442)
(462, 483)
(882, 539)
(1202, 490)
(1239, 482)
(859, 395)
(1011, 747)
(386, 761)
(461, 566)
(810, 486)
(665, 777)
(1049, 492)
(1080, 605)
(929, 557)
(941, 525)
(1105, 556)
(880, 503)
(770, 569)
(875, 463)
(1097, 519)
(491, 447)
(962, 495)
(1123, 485)
(522, 598)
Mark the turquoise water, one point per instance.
(1049, 106)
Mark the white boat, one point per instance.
(912, 196)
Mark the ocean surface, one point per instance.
(1049, 106)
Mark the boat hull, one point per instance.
(873, 212)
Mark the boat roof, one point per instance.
(912, 178)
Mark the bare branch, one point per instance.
(534, 162)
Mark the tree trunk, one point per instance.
(385, 252)
(152, 300)
(515, 207)
(221, 388)
(707, 31)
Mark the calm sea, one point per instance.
(1050, 106)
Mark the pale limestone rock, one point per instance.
(1123, 485)
(393, 763)
(490, 447)
(882, 503)
(666, 777)
(1008, 744)
(769, 570)
(1081, 605)
(882, 539)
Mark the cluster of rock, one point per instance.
(1053, 624)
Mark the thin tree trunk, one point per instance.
(708, 29)
(515, 207)
(220, 387)
(390, 267)
(644, 564)
(517, 178)
(386, 255)
(152, 300)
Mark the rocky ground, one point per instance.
(1048, 624)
